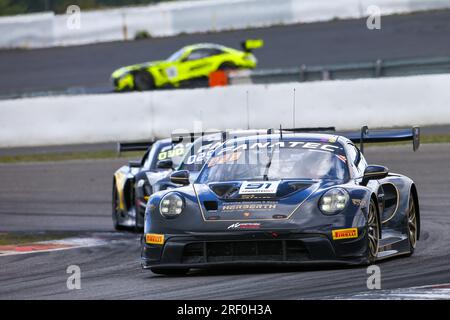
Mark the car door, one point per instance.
(199, 62)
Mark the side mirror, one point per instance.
(164, 164)
(374, 172)
(180, 177)
(134, 164)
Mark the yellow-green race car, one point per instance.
(188, 67)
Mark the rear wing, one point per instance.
(251, 44)
(385, 135)
(192, 136)
(225, 135)
(311, 129)
(133, 146)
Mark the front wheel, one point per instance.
(169, 272)
(373, 232)
(227, 66)
(412, 224)
(116, 210)
(143, 81)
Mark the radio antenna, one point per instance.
(248, 113)
(293, 112)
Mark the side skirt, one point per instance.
(393, 243)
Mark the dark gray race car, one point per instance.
(133, 183)
(284, 199)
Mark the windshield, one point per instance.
(276, 161)
(198, 153)
(176, 55)
(168, 151)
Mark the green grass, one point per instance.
(442, 138)
(423, 140)
(17, 238)
(88, 155)
(63, 156)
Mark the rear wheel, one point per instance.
(227, 66)
(169, 272)
(143, 81)
(412, 224)
(373, 232)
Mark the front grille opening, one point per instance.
(221, 251)
(295, 250)
(224, 190)
(193, 253)
(210, 205)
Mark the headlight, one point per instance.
(171, 205)
(141, 183)
(333, 201)
(143, 189)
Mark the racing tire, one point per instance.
(169, 272)
(140, 220)
(143, 81)
(115, 211)
(227, 66)
(412, 226)
(373, 232)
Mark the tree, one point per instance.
(8, 8)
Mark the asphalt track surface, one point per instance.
(89, 66)
(75, 195)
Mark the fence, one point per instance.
(175, 17)
(375, 69)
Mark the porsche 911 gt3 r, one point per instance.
(284, 199)
(186, 67)
(133, 183)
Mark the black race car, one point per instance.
(284, 199)
(133, 183)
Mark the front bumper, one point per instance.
(203, 250)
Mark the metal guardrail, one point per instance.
(378, 68)
(304, 73)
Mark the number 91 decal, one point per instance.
(252, 187)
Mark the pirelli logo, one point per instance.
(153, 238)
(345, 233)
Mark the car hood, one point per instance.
(230, 200)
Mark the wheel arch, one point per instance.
(373, 197)
(227, 63)
(150, 71)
